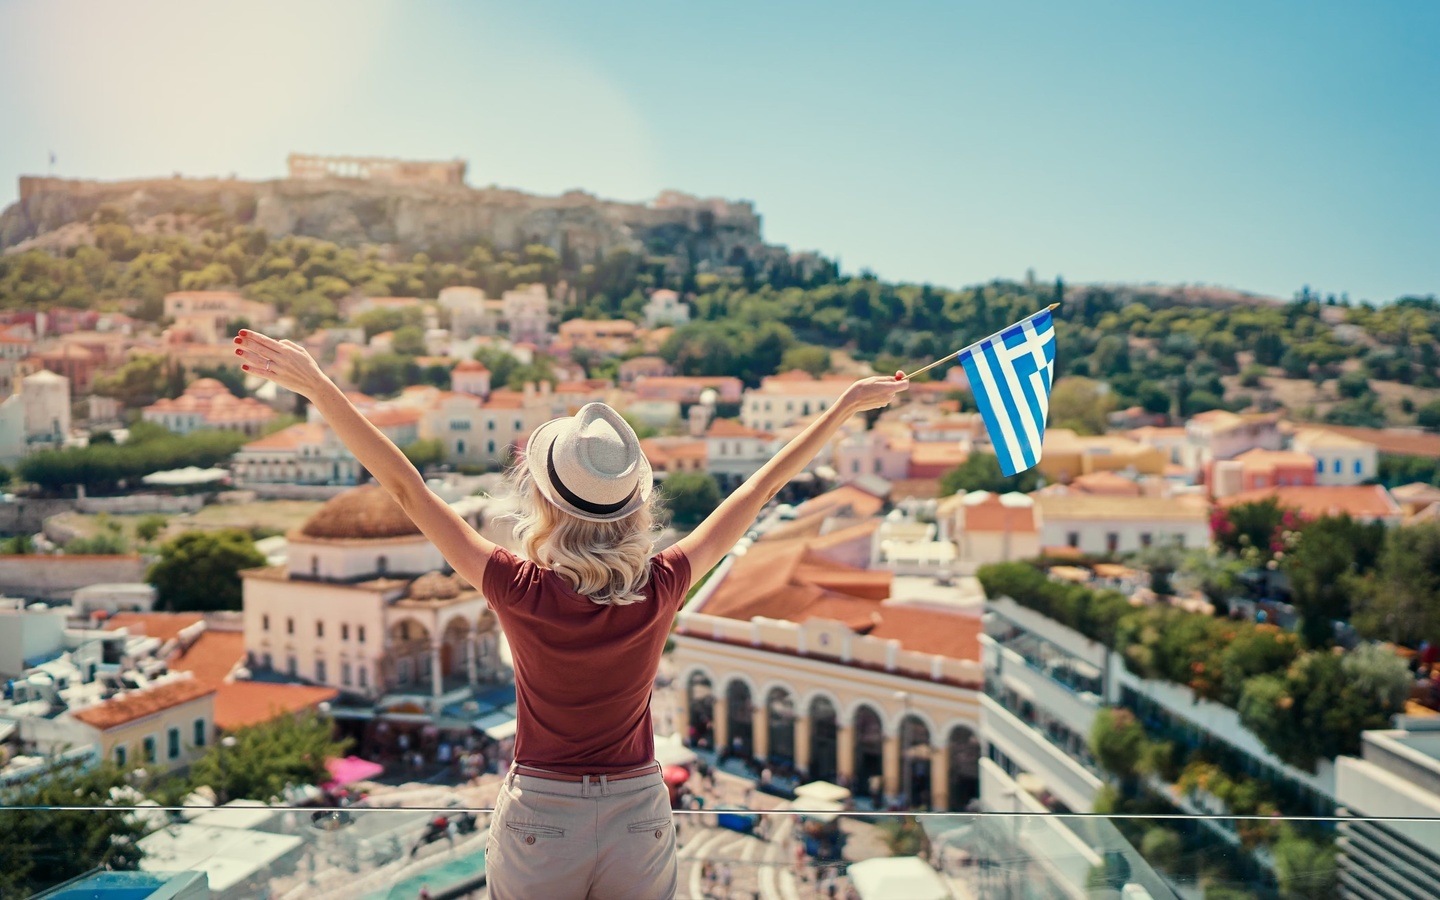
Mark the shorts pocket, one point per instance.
(539, 831)
(650, 825)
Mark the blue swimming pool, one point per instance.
(462, 871)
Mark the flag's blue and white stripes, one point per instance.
(1010, 376)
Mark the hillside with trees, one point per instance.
(1165, 350)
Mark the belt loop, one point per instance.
(585, 785)
(604, 785)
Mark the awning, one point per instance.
(351, 769)
(186, 476)
(897, 876)
(670, 752)
(822, 790)
(818, 810)
(502, 731)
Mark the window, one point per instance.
(345, 673)
(319, 628)
(120, 755)
(1357, 467)
(267, 661)
(148, 748)
(489, 446)
(402, 671)
(459, 448)
(200, 730)
(344, 631)
(490, 425)
(519, 426)
(320, 670)
(1336, 468)
(1112, 542)
(382, 565)
(1261, 481)
(265, 622)
(172, 743)
(292, 668)
(360, 633)
(1320, 466)
(289, 626)
(363, 676)
(1144, 538)
(1072, 539)
(315, 566)
(855, 466)
(877, 464)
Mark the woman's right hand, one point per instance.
(284, 362)
(872, 393)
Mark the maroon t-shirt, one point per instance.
(583, 671)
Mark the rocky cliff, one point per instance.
(352, 211)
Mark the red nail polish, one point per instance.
(239, 352)
(243, 332)
(237, 340)
(246, 368)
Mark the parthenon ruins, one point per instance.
(380, 169)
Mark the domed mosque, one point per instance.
(367, 605)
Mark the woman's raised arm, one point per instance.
(708, 544)
(288, 364)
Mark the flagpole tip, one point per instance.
(1052, 307)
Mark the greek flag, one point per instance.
(1010, 376)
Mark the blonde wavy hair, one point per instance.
(609, 562)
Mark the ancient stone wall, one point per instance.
(305, 167)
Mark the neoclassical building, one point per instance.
(846, 674)
(366, 604)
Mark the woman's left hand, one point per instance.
(284, 362)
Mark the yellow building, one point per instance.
(170, 724)
(1068, 455)
(793, 658)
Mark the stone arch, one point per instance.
(739, 714)
(962, 750)
(824, 714)
(867, 731)
(780, 715)
(892, 727)
(915, 738)
(455, 646)
(699, 689)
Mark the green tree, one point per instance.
(690, 497)
(287, 751)
(1353, 385)
(103, 543)
(1398, 602)
(1326, 556)
(408, 340)
(150, 526)
(1081, 404)
(44, 844)
(199, 570)
(808, 358)
(1428, 416)
(1118, 741)
(981, 472)
(425, 453)
(139, 382)
(1306, 869)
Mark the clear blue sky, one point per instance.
(1255, 145)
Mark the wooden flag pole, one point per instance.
(901, 376)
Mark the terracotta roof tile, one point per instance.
(1361, 501)
(1394, 441)
(1100, 507)
(239, 704)
(862, 503)
(730, 428)
(128, 707)
(290, 438)
(164, 626)
(212, 657)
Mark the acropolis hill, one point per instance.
(412, 204)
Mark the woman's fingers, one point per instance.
(259, 340)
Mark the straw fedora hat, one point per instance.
(590, 464)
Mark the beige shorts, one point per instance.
(595, 839)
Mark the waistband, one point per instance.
(586, 785)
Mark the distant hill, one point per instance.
(706, 234)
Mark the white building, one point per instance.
(991, 528)
(665, 308)
(470, 313)
(362, 605)
(783, 399)
(470, 377)
(1392, 845)
(1339, 459)
(1103, 524)
(527, 314)
(1220, 434)
(734, 452)
(305, 453)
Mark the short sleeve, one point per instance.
(502, 577)
(670, 577)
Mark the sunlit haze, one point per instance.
(1258, 147)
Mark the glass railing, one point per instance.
(256, 851)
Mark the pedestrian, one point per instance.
(424, 892)
(725, 879)
(587, 611)
(707, 875)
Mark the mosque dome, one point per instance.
(365, 512)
